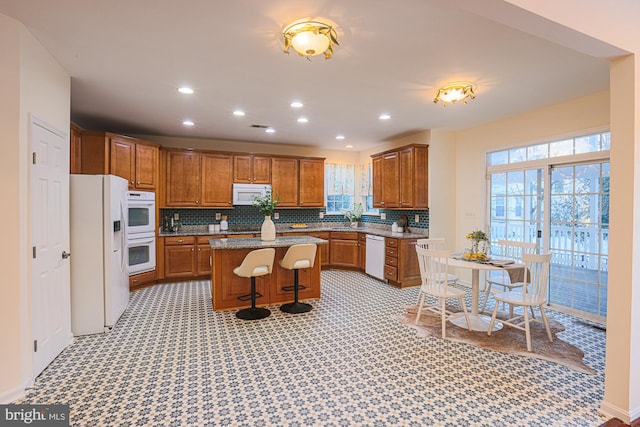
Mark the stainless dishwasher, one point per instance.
(374, 264)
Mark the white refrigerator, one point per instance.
(99, 276)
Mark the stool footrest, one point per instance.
(293, 287)
(248, 297)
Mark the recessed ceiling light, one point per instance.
(185, 90)
(297, 104)
(270, 130)
(303, 120)
(384, 116)
(340, 137)
(238, 113)
(348, 146)
(188, 123)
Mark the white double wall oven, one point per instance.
(141, 236)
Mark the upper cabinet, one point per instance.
(198, 179)
(130, 158)
(311, 183)
(284, 180)
(251, 169)
(400, 178)
(75, 151)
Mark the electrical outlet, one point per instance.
(417, 218)
(218, 216)
(321, 214)
(276, 215)
(176, 216)
(383, 216)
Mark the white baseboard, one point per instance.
(612, 411)
(9, 396)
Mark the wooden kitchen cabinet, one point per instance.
(141, 280)
(251, 169)
(198, 179)
(344, 250)
(130, 158)
(215, 178)
(401, 267)
(75, 149)
(187, 257)
(362, 251)
(324, 249)
(284, 180)
(400, 178)
(311, 182)
(182, 178)
(179, 257)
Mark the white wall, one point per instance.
(31, 82)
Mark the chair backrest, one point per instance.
(257, 263)
(431, 243)
(299, 256)
(513, 249)
(537, 273)
(434, 267)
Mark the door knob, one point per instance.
(65, 254)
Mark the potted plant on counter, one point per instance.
(354, 214)
(267, 204)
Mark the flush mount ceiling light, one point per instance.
(185, 90)
(310, 38)
(455, 92)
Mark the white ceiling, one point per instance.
(126, 59)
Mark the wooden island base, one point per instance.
(226, 287)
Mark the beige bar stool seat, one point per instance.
(256, 263)
(297, 257)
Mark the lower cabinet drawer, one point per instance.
(391, 261)
(391, 273)
(142, 278)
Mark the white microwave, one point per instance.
(244, 194)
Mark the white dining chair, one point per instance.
(536, 275)
(436, 243)
(512, 250)
(434, 266)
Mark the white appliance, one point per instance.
(141, 212)
(141, 249)
(141, 235)
(99, 278)
(244, 194)
(374, 263)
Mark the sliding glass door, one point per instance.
(579, 238)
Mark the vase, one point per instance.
(268, 230)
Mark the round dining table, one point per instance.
(479, 322)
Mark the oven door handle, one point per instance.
(143, 241)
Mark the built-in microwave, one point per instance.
(245, 194)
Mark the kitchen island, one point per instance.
(226, 287)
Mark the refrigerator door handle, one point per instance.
(122, 238)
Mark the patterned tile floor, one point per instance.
(171, 360)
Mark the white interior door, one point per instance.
(49, 225)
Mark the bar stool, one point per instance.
(256, 263)
(297, 257)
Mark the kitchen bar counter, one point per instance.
(226, 287)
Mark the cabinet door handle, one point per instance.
(180, 241)
(192, 249)
(138, 183)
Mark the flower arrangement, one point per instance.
(476, 253)
(266, 204)
(354, 213)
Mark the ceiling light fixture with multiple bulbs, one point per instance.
(455, 92)
(310, 38)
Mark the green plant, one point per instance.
(266, 204)
(354, 213)
(478, 236)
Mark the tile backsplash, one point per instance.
(244, 215)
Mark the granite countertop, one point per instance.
(376, 229)
(256, 243)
